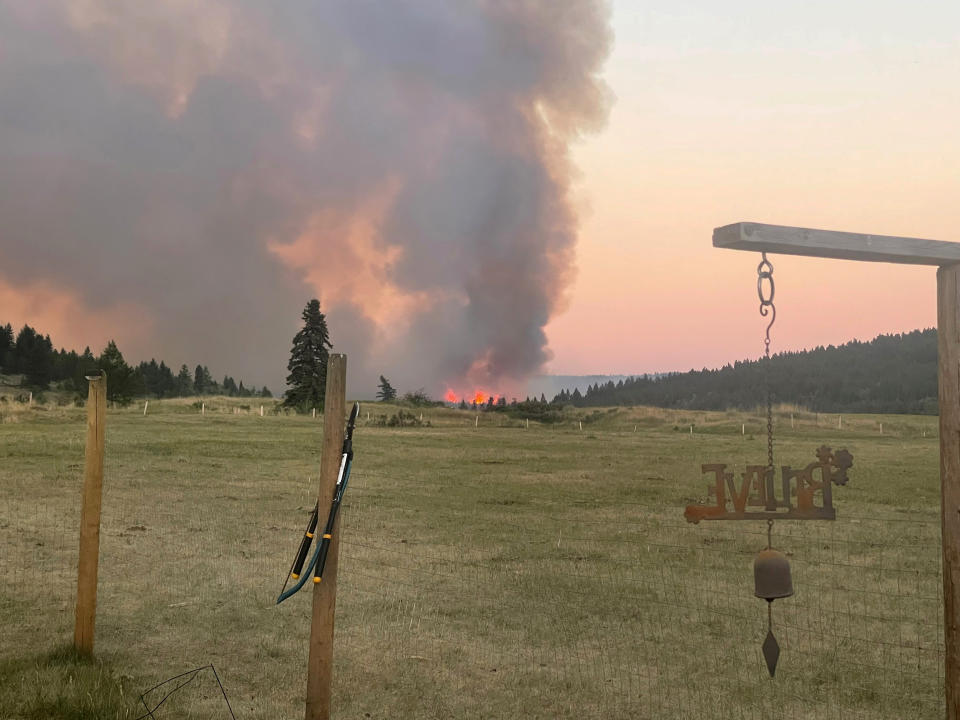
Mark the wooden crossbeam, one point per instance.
(832, 244)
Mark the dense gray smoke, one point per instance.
(209, 167)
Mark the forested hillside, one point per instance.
(31, 358)
(891, 373)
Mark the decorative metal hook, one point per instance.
(764, 284)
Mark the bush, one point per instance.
(405, 419)
(419, 398)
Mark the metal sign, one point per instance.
(805, 494)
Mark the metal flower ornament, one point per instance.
(804, 493)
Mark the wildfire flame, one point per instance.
(479, 397)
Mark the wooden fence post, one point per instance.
(320, 660)
(86, 612)
(948, 341)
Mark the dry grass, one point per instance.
(486, 572)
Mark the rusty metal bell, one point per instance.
(771, 575)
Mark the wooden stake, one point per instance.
(881, 428)
(476, 423)
(203, 408)
(86, 610)
(948, 353)
(839, 422)
(743, 429)
(320, 661)
(791, 421)
(145, 403)
(261, 411)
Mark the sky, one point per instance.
(478, 191)
(833, 115)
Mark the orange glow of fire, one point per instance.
(479, 397)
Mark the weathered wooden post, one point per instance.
(948, 352)
(912, 251)
(320, 661)
(86, 611)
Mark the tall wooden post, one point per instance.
(320, 661)
(86, 612)
(948, 341)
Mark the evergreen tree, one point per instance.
(150, 372)
(6, 344)
(265, 393)
(386, 393)
(202, 381)
(122, 380)
(184, 382)
(167, 385)
(213, 387)
(34, 357)
(86, 362)
(307, 381)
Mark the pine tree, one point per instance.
(307, 381)
(6, 343)
(203, 381)
(184, 382)
(34, 357)
(386, 393)
(167, 384)
(213, 387)
(122, 380)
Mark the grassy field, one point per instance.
(495, 571)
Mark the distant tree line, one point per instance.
(30, 354)
(889, 374)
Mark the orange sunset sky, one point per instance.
(835, 115)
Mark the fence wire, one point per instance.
(462, 601)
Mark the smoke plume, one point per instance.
(194, 172)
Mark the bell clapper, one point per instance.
(772, 580)
(771, 648)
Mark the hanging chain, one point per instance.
(766, 290)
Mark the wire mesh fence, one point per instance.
(472, 582)
(643, 615)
